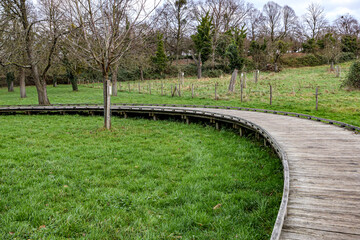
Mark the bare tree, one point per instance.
(290, 21)
(106, 32)
(40, 32)
(347, 25)
(12, 45)
(255, 20)
(272, 21)
(182, 18)
(314, 20)
(226, 14)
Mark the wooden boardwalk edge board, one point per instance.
(99, 106)
(275, 129)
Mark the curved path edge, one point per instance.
(251, 121)
(291, 114)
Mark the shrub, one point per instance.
(346, 56)
(212, 73)
(310, 60)
(353, 78)
(171, 71)
(190, 70)
(128, 74)
(249, 65)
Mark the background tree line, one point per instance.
(56, 41)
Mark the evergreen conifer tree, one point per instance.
(202, 40)
(160, 59)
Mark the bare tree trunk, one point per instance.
(40, 85)
(114, 81)
(256, 75)
(107, 103)
(213, 53)
(243, 75)
(22, 82)
(332, 66)
(11, 86)
(233, 81)
(141, 73)
(74, 82)
(199, 66)
(276, 68)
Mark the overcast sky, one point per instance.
(333, 8)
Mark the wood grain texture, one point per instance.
(324, 164)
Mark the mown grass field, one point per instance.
(64, 177)
(293, 90)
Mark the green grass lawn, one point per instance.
(293, 90)
(64, 177)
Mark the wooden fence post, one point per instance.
(215, 91)
(244, 79)
(233, 81)
(107, 106)
(162, 88)
(270, 94)
(338, 71)
(317, 98)
(241, 91)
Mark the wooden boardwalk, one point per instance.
(324, 171)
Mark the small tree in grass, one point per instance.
(353, 79)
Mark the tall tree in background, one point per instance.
(70, 70)
(235, 51)
(172, 20)
(314, 20)
(258, 52)
(202, 41)
(347, 25)
(182, 18)
(160, 59)
(272, 20)
(254, 22)
(40, 47)
(226, 14)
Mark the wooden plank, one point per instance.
(314, 234)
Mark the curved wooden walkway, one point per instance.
(322, 197)
(324, 169)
